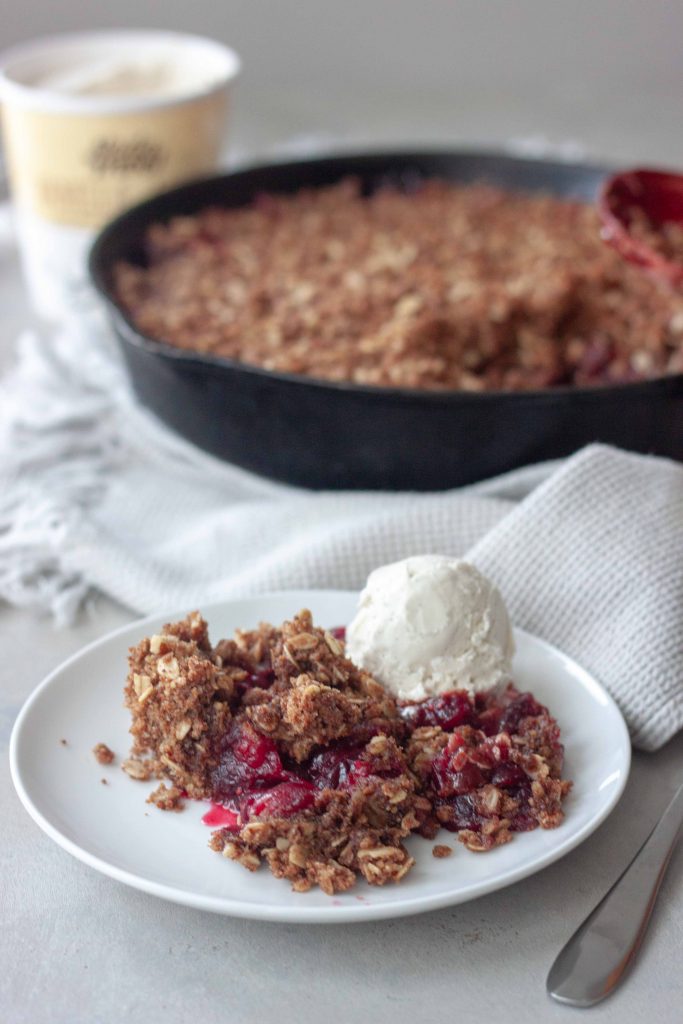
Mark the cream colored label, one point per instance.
(82, 169)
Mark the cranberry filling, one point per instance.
(508, 774)
(488, 720)
(338, 768)
(251, 780)
(343, 767)
(449, 711)
(461, 769)
(451, 781)
(523, 823)
(249, 761)
(462, 815)
(263, 677)
(523, 706)
(282, 801)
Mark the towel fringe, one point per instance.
(57, 447)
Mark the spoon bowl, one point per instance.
(642, 218)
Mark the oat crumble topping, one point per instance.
(103, 755)
(447, 287)
(441, 850)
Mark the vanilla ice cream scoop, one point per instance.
(430, 624)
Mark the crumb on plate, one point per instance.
(103, 754)
(441, 850)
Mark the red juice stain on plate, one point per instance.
(221, 817)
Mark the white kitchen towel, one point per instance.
(95, 494)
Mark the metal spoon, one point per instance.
(597, 957)
(638, 198)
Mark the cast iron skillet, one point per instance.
(327, 435)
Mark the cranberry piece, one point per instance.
(256, 750)
(344, 766)
(508, 775)
(338, 768)
(524, 706)
(468, 778)
(523, 823)
(358, 772)
(461, 815)
(491, 752)
(454, 779)
(489, 721)
(596, 357)
(339, 632)
(448, 711)
(522, 820)
(521, 791)
(281, 801)
(262, 677)
(250, 761)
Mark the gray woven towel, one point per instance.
(95, 494)
(592, 561)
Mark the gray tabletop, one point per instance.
(76, 946)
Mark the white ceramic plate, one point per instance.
(112, 829)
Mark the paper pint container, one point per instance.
(95, 122)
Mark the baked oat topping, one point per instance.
(447, 287)
(167, 798)
(103, 755)
(137, 769)
(315, 770)
(440, 851)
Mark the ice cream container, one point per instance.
(95, 122)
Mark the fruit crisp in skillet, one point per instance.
(447, 287)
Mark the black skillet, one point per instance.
(325, 435)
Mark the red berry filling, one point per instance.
(263, 677)
(345, 766)
(523, 706)
(478, 773)
(337, 768)
(449, 711)
(282, 801)
(466, 778)
(249, 761)
(250, 780)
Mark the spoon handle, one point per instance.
(598, 955)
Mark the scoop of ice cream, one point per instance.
(430, 624)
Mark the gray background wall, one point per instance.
(606, 73)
